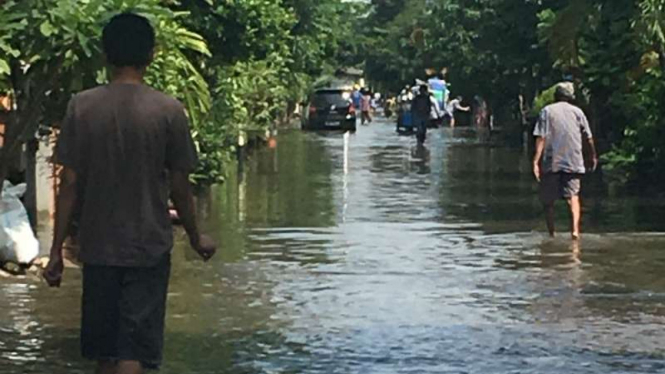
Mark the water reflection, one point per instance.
(374, 255)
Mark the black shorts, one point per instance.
(122, 313)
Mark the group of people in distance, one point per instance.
(427, 105)
(441, 108)
(428, 102)
(365, 102)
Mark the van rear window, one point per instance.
(329, 98)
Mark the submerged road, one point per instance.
(377, 258)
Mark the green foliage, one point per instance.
(651, 22)
(235, 64)
(248, 99)
(266, 55)
(544, 99)
(172, 71)
(487, 47)
(641, 152)
(561, 30)
(52, 50)
(11, 22)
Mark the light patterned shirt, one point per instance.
(563, 127)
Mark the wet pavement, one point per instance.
(377, 257)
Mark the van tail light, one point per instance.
(312, 109)
(352, 109)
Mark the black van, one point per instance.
(330, 109)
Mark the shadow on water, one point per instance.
(368, 254)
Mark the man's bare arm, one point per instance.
(65, 205)
(594, 154)
(540, 148)
(183, 199)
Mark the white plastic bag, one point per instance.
(18, 243)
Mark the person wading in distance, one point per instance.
(123, 147)
(559, 163)
(421, 109)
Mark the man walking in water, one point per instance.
(366, 107)
(453, 106)
(356, 97)
(123, 147)
(421, 109)
(560, 133)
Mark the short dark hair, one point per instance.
(129, 40)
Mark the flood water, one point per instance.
(380, 259)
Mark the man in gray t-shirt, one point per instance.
(560, 132)
(124, 149)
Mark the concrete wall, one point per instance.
(45, 178)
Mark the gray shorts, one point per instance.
(555, 186)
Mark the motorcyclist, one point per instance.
(436, 114)
(439, 88)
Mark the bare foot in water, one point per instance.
(576, 236)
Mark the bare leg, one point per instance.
(576, 214)
(452, 122)
(129, 367)
(106, 367)
(549, 217)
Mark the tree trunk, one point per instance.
(30, 197)
(9, 147)
(4, 167)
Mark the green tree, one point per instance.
(237, 65)
(266, 56)
(51, 51)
